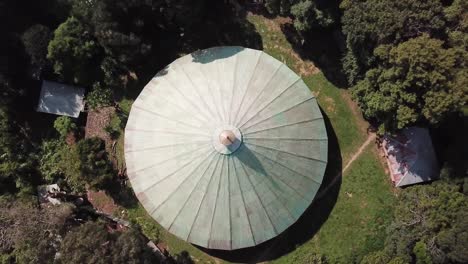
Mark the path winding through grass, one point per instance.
(370, 139)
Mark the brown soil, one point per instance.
(97, 120)
(102, 202)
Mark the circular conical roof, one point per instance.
(226, 147)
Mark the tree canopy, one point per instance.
(428, 226)
(418, 80)
(93, 243)
(371, 23)
(73, 52)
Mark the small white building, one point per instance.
(61, 99)
(410, 157)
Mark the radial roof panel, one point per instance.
(226, 147)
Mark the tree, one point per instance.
(64, 125)
(80, 165)
(35, 41)
(17, 158)
(429, 221)
(279, 7)
(99, 96)
(454, 241)
(457, 24)
(371, 23)
(123, 28)
(95, 167)
(74, 52)
(421, 254)
(51, 158)
(92, 243)
(29, 233)
(419, 81)
(308, 14)
(69, 164)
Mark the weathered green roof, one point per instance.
(210, 194)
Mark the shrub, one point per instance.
(64, 125)
(114, 127)
(99, 97)
(51, 159)
(95, 167)
(92, 243)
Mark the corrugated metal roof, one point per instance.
(61, 99)
(209, 193)
(411, 157)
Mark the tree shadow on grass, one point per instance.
(307, 225)
(324, 48)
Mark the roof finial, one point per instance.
(227, 137)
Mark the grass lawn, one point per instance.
(357, 223)
(331, 99)
(364, 204)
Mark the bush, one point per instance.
(74, 52)
(92, 243)
(421, 254)
(99, 97)
(51, 159)
(64, 125)
(114, 127)
(83, 164)
(95, 167)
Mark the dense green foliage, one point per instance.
(51, 160)
(16, 156)
(95, 167)
(405, 60)
(368, 24)
(279, 7)
(92, 243)
(417, 80)
(80, 165)
(307, 14)
(100, 96)
(429, 226)
(64, 125)
(408, 59)
(73, 51)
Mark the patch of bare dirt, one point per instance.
(102, 202)
(97, 120)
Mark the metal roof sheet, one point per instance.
(61, 99)
(209, 193)
(411, 157)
